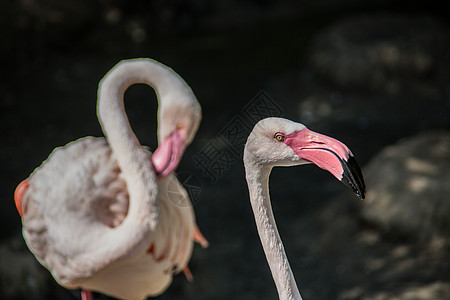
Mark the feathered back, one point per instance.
(68, 209)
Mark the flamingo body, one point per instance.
(95, 202)
(98, 214)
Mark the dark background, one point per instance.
(366, 74)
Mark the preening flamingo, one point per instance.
(281, 142)
(97, 212)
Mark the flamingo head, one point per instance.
(178, 121)
(281, 142)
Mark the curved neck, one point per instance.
(134, 234)
(258, 184)
(133, 160)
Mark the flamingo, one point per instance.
(281, 142)
(100, 214)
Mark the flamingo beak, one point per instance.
(328, 154)
(168, 154)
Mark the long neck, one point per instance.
(132, 159)
(134, 234)
(258, 184)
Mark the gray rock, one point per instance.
(379, 51)
(437, 290)
(408, 187)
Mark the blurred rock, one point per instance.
(436, 291)
(379, 77)
(380, 51)
(399, 248)
(408, 187)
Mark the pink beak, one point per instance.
(168, 154)
(329, 154)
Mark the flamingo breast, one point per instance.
(77, 198)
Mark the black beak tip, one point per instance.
(361, 195)
(353, 177)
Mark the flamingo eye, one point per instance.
(279, 136)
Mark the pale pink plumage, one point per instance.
(95, 213)
(281, 142)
